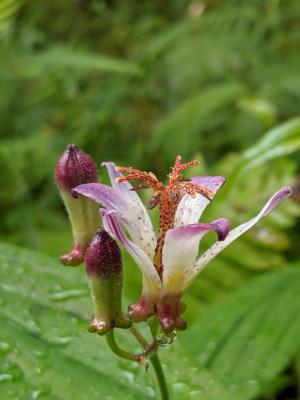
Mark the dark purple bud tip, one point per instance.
(103, 256)
(75, 257)
(74, 168)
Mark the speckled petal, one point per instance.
(215, 249)
(190, 209)
(133, 214)
(180, 251)
(146, 236)
(111, 222)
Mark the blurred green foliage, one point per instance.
(138, 83)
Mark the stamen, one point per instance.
(139, 187)
(147, 177)
(191, 188)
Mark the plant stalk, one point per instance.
(155, 361)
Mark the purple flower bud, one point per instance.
(75, 167)
(104, 271)
(103, 258)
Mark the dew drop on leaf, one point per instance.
(4, 347)
(5, 378)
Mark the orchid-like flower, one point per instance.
(170, 262)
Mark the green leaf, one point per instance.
(280, 141)
(83, 61)
(8, 10)
(249, 337)
(46, 351)
(181, 127)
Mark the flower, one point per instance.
(170, 262)
(104, 271)
(72, 169)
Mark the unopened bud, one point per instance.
(74, 168)
(104, 271)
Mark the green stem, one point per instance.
(155, 361)
(111, 341)
(160, 376)
(139, 337)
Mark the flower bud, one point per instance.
(104, 271)
(74, 168)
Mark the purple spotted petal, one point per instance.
(180, 251)
(190, 209)
(111, 222)
(132, 212)
(215, 249)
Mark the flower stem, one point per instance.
(111, 341)
(155, 361)
(160, 376)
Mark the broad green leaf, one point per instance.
(250, 336)
(46, 351)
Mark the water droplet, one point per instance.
(149, 391)
(180, 387)
(196, 393)
(232, 388)
(67, 294)
(33, 327)
(252, 384)
(128, 375)
(4, 347)
(131, 367)
(5, 378)
(39, 392)
(61, 341)
(211, 346)
(39, 370)
(40, 353)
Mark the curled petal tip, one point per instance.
(222, 228)
(74, 193)
(277, 198)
